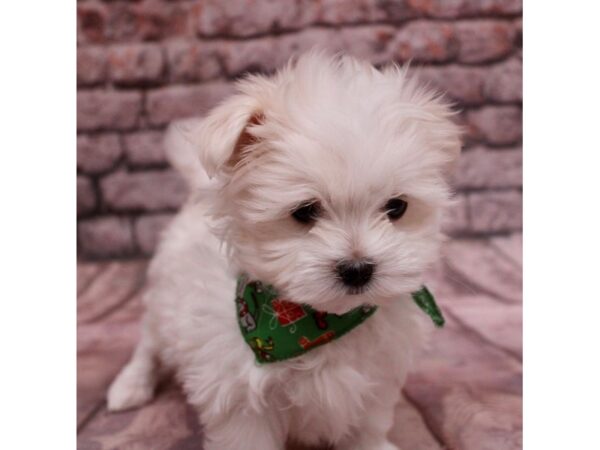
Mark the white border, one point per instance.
(37, 238)
(562, 225)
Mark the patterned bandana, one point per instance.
(278, 329)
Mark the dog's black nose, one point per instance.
(355, 273)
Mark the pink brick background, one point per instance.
(141, 64)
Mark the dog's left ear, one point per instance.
(438, 115)
(221, 138)
(448, 137)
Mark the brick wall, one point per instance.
(141, 64)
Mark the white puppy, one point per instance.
(328, 183)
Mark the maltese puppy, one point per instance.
(281, 296)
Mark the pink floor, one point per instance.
(464, 394)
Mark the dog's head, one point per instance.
(331, 179)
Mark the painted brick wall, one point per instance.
(141, 64)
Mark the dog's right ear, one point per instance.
(221, 138)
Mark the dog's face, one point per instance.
(332, 180)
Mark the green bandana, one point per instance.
(277, 329)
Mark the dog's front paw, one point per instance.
(387, 445)
(368, 445)
(129, 390)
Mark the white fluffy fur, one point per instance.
(328, 128)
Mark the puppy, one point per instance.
(324, 183)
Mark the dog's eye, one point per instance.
(307, 212)
(395, 208)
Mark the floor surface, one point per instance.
(465, 393)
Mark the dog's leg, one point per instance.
(135, 384)
(245, 431)
(374, 430)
